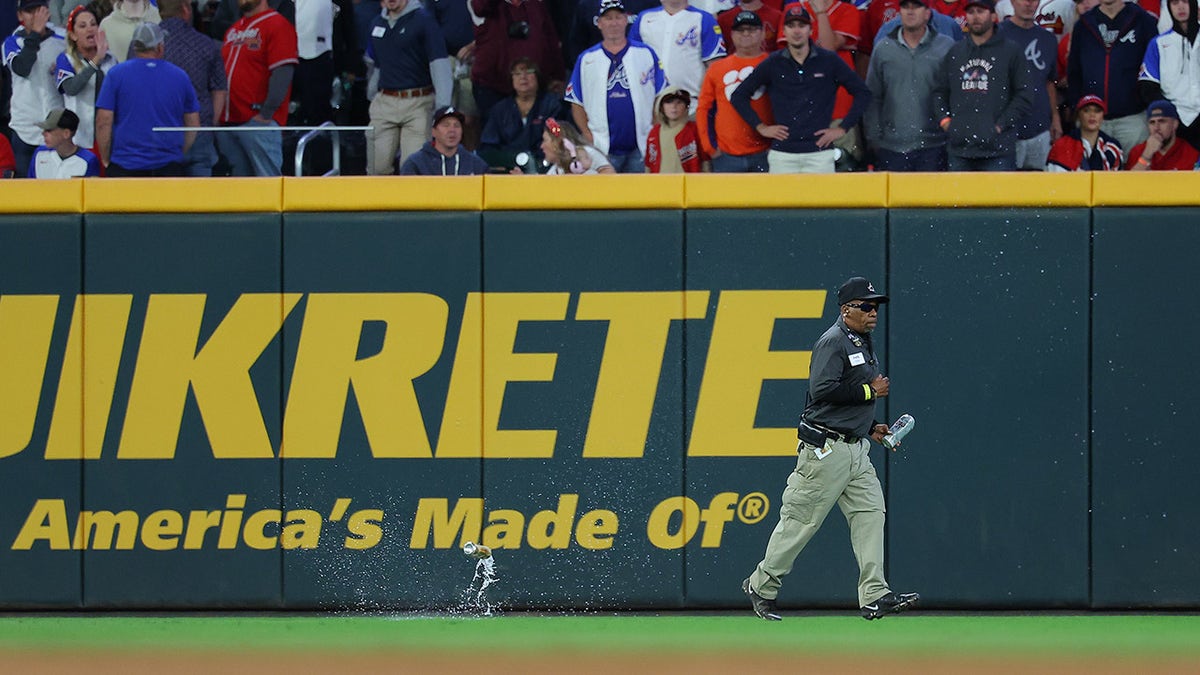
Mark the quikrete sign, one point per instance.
(172, 361)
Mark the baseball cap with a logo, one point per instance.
(448, 111)
(797, 13)
(606, 5)
(1162, 108)
(1091, 99)
(746, 18)
(858, 288)
(147, 36)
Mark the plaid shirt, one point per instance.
(200, 57)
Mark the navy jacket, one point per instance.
(981, 87)
(430, 162)
(802, 95)
(1110, 70)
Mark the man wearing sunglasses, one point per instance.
(844, 383)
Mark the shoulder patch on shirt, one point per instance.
(857, 359)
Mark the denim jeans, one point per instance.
(922, 159)
(202, 156)
(251, 153)
(1002, 163)
(628, 163)
(726, 163)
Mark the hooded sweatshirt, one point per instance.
(118, 27)
(429, 162)
(673, 148)
(1171, 68)
(980, 88)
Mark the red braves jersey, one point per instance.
(254, 46)
(1179, 157)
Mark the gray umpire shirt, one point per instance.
(839, 392)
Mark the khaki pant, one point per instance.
(1128, 130)
(398, 124)
(821, 161)
(839, 473)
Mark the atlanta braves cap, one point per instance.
(606, 5)
(858, 288)
(448, 111)
(1091, 99)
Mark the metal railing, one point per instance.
(312, 133)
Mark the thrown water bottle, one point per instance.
(898, 431)
(485, 575)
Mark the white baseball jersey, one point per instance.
(47, 163)
(33, 97)
(683, 42)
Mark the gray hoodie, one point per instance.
(982, 88)
(900, 116)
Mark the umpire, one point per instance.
(844, 383)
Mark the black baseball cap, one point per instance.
(989, 5)
(858, 288)
(746, 18)
(448, 111)
(606, 5)
(923, 3)
(797, 13)
(30, 5)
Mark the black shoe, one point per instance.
(892, 603)
(763, 607)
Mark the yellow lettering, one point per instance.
(632, 362)
(255, 533)
(161, 530)
(99, 527)
(327, 365)
(303, 534)
(89, 376)
(491, 342)
(739, 359)
(365, 529)
(465, 522)
(47, 521)
(218, 374)
(504, 530)
(552, 529)
(199, 523)
(658, 528)
(596, 529)
(719, 511)
(26, 326)
(231, 521)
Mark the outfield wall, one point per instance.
(298, 393)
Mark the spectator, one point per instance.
(955, 9)
(939, 22)
(1056, 16)
(1085, 147)
(980, 95)
(229, 11)
(686, 40)
(31, 54)
(567, 153)
(59, 156)
(198, 56)
(1107, 48)
(81, 69)
(768, 15)
(612, 91)
(454, 18)
(118, 27)
(1171, 68)
(506, 30)
(673, 145)
(138, 95)
(411, 71)
(515, 125)
(802, 81)
(900, 122)
(836, 27)
(8, 163)
(735, 147)
(260, 57)
(584, 31)
(444, 155)
(1040, 125)
(1164, 148)
(326, 46)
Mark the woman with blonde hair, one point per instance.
(566, 153)
(81, 69)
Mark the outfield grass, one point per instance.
(1035, 635)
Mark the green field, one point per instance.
(1068, 635)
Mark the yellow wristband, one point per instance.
(868, 391)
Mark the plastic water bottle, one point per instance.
(898, 431)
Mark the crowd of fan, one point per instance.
(464, 87)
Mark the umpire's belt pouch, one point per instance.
(811, 435)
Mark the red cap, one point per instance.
(1091, 99)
